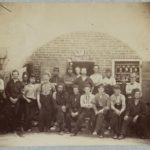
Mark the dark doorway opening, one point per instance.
(86, 64)
(34, 69)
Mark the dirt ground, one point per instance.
(53, 139)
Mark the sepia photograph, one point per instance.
(74, 74)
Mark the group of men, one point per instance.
(66, 103)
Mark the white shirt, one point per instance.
(96, 78)
(130, 87)
(30, 91)
(1, 85)
(86, 101)
(109, 81)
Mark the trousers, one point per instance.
(30, 112)
(139, 127)
(85, 113)
(45, 114)
(116, 123)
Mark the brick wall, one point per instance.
(98, 47)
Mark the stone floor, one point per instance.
(53, 139)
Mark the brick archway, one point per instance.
(88, 46)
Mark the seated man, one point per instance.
(135, 115)
(61, 104)
(101, 107)
(86, 102)
(74, 107)
(118, 106)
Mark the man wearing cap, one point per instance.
(132, 85)
(55, 79)
(83, 80)
(86, 102)
(74, 107)
(60, 98)
(96, 78)
(118, 107)
(109, 82)
(69, 78)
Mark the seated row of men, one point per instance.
(58, 103)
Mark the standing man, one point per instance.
(30, 97)
(96, 78)
(86, 102)
(55, 79)
(135, 116)
(131, 86)
(69, 78)
(45, 103)
(109, 82)
(14, 92)
(77, 72)
(118, 106)
(3, 118)
(22, 108)
(84, 80)
(101, 107)
(1, 90)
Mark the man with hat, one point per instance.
(55, 79)
(69, 78)
(86, 102)
(118, 107)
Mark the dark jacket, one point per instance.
(14, 89)
(82, 83)
(61, 99)
(74, 105)
(133, 110)
(56, 79)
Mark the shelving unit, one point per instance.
(123, 68)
